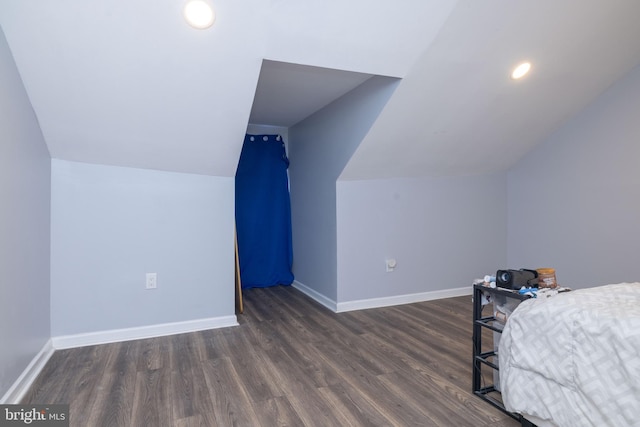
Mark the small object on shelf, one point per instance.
(515, 279)
(528, 291)
(547, 278)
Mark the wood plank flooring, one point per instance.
(291, 362)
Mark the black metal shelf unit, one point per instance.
(489, 358)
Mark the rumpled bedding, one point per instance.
(574, 359)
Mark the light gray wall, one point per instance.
(443, 232)
(25, 189)
(574, 202)
(319, 148)
(111, 225)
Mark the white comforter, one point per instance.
(574, 359)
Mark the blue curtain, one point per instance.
(263, 213)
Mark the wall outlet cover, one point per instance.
(152, 281)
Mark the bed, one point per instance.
(574, 359)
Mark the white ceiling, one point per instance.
(130, 84)
(287, 93)
(458, 112)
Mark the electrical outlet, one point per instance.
(390, 264)
(152, 280)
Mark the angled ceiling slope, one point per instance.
(129, 83)
(288, 93)
(457, 112)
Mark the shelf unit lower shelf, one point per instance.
(488, 393)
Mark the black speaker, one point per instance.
(516, 279)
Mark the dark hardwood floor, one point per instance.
(291, 362)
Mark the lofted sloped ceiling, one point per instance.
(288, 93)
(129, 83)
(458, 112)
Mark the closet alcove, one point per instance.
(293, 104)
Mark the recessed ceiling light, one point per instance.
(521, 70)
(199, 14)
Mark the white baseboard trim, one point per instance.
(402, 299)
(141, 332)
(380, 302)
(20, 387)
(314, 295)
